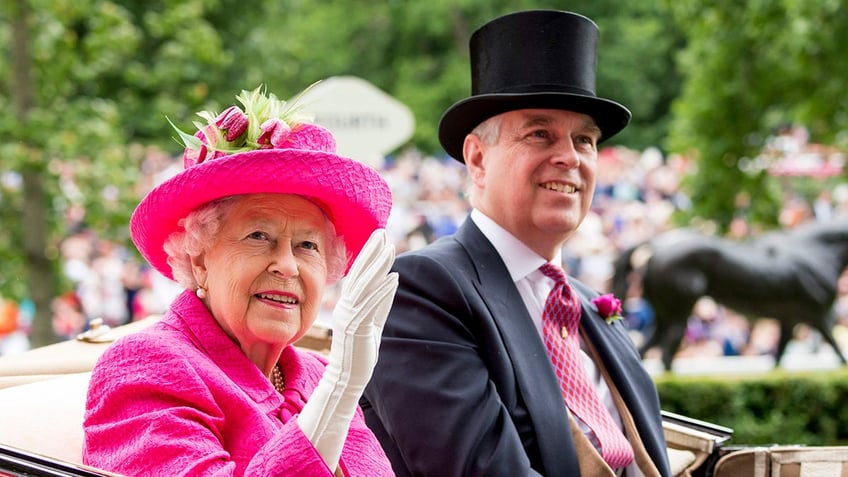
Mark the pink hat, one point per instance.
(262, 150)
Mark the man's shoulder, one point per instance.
(438, 252)
(443, 265)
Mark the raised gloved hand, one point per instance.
(358, 318)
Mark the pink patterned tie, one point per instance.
(560, 322)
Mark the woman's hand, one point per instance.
(358, 318)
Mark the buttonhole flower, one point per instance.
(609, 307)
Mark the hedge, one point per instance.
(775, 408)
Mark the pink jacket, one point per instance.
(181, 398)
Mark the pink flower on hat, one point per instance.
(238, 151)
(233, 121)
(310, 136)
(266, 122)
(192, 156)
(208, 138)
(274, 133)
(609, 307)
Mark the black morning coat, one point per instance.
(463, 385)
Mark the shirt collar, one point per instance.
(519, 259)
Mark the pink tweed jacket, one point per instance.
(180, 398)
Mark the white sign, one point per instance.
(367, 123)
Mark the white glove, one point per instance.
(358, 318)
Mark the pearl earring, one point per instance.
(201, 293)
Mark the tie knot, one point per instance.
(553, 272)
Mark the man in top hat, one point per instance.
(492, 362)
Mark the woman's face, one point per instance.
(265, 272)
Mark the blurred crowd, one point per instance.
(637, 193)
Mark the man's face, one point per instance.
(538, 178)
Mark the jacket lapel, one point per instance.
(535, 377)
(635, 386)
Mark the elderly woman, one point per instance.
(263, 217)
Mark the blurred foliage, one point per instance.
(105, 74)
(102, 75)
(708, 80)
(775, 408)
(418, 52)
(750, 67)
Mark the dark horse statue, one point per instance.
(790, 276)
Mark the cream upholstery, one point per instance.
(45, 416)
(42, 394)
(42, 391)
(66, 357)
(42, 398)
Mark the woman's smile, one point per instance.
(282, 299)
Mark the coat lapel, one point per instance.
(535, 377)
(633, 383)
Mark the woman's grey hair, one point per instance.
(200, 230)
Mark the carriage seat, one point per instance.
(45, 417)
(43, 391)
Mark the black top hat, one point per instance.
(532, 59)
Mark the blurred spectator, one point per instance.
(823, 206)
(8, 316)
(636, 194)
(15, 324)
(765, 334)
(794, 212)
(700, 339)
(68, 317)
(840, 329)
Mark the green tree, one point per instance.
(86, 85)
(89, 77)
(417, 51)
(749, 67)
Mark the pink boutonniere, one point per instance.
(609, 307)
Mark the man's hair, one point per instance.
(489, 131)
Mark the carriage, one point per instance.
(42, 399)
(42, 391)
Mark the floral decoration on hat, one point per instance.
(261, 145)
(265, 122)
(609, 307)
